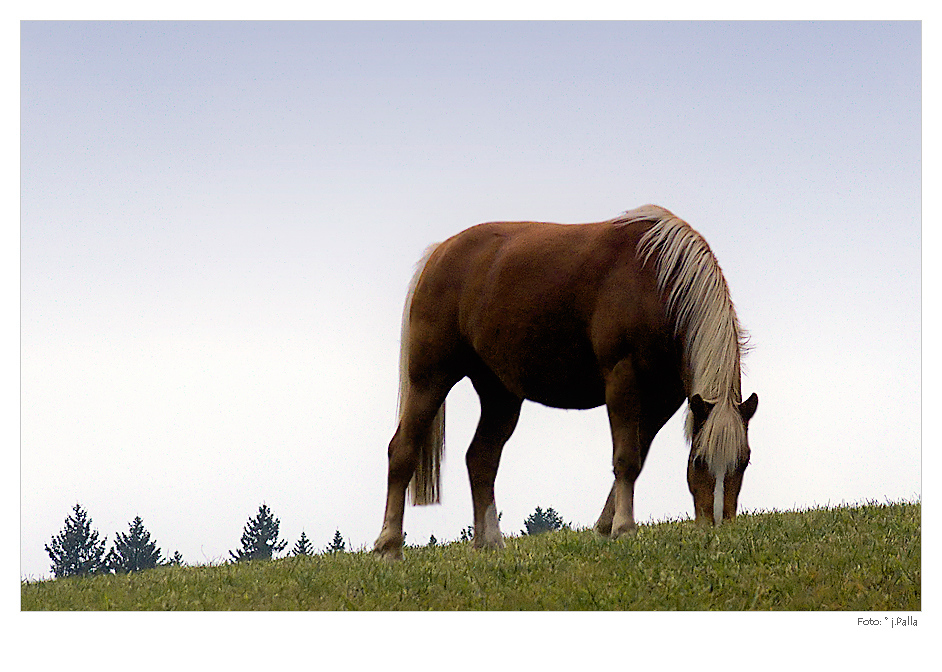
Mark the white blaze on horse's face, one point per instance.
(719, 455)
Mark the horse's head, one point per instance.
(719, 455)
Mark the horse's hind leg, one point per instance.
(499, 413)
(415, 426)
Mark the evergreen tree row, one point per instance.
(77, 550)
(260, 539)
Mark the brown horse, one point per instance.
(633, 313)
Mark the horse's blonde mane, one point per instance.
(699, 305)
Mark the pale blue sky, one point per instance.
(219, 220)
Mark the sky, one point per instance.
(218, 223)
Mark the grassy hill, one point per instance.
(859, 558)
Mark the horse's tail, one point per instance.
(425, 485)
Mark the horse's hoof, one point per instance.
(388, 547)
(625, 531)
(603, 530)
(389, 553)
(490, 545)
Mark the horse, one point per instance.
(632, 312)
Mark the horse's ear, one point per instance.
(748, 408)
(700, 409)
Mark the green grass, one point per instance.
(862, 558)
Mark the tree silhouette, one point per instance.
(260, 537)
(337, 545)
(541, 521)
(134, 551)
(303, 546)
(76, 551)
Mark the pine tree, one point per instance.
(260, 537)
(432, 541)
(337, 545)
(541, 521)
(176, 560)
(134, 551)
(76, 550)
(303, 546)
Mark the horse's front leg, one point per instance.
(629, 449)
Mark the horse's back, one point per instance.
(546, 307)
